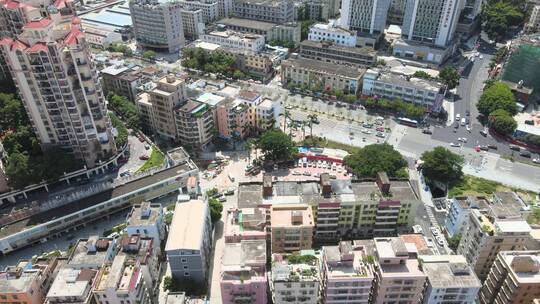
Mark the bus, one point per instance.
(407, 122)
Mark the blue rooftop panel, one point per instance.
(108, 18)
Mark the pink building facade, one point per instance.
(243, 276)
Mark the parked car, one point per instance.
(229, 191)
(427, 131)
(536, 160)
(484, 133)
(525, 153)
(222, 199)
(484, 148)
(307, 173)
(514, 147)
(494, 147)
(144, 157)
(453, 144)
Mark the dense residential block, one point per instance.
(27, 281)
(72, 286)
(190, 241)
(340, 207)
(125, 81)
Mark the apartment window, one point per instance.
(186, 274)
(184, 260)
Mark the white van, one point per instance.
(231, 177)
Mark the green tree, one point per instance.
(371, 159)
(422, 74)
(304, 28)
(453, 242)
(149, 54)
(450, 77)
(277, 146)
(442, 165)
(18, 170)
(499, 15)
(216, 208)
(497, 96)
(47, 166)
(502, 122)
(239, 75)
(22, 140)
(12, 113)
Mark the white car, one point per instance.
(536, 160)
(440, 242)
(481, 57)
(468, 128)
(452, 144)
(296, 172)
(463, 139)
(458, 117)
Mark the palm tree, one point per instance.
(304, 124)
(312, 118)
(286, 115)
(250, 144)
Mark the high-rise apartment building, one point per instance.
(192, 22)
(486, 235)
(533, 25)
(194, 124)
(50, 64)
(364, 16)
(396, 12)
(432, 22)
(157, 24)
(513, 278)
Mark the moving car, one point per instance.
(494, 147)
(484, 148)
(468, 128)
(536, 160)
(484, 133)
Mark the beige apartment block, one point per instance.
(513, 278)
(292, 228)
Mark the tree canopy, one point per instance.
(442, 165)
(125, 108)
(502, 122)
(26, 163)
(149, 54)
(450, 77)
(12, 113)
(216, 207)
(499, 15)
(497, 96)
(215, 62)
(277, 146)
(371, 159)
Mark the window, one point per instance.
(186, 273)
